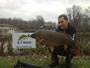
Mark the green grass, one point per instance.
(9, 62)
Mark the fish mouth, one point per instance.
(33, 35)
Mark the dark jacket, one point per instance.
(60, 50)
(70, 30)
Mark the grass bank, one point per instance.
(9, 62)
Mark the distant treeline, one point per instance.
(22, 24)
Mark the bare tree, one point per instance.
(75, 16)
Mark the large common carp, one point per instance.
(54, 39)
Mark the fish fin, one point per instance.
(42, 41)
(51, 48)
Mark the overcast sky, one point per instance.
(29, 9)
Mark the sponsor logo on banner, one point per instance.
(23, 40)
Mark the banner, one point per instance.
(23, 40)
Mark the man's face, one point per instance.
(62, 23)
